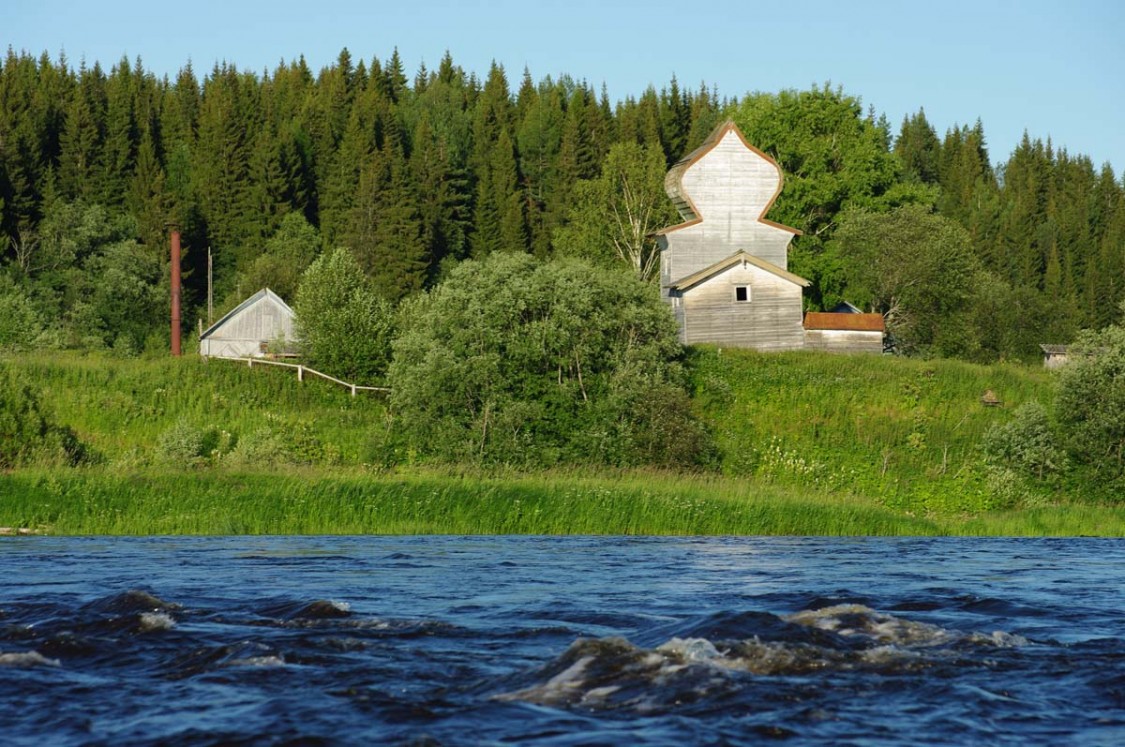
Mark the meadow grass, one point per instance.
(905, 432)
(83, 502)
(808, 443)
(122, 406)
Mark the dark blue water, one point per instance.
(561, 641)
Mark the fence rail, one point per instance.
(303, 369)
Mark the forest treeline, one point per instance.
(416, 173)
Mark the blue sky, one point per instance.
(1055, 69)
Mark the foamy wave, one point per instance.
(613, 673)
(152, 621)
(857, 620)
(26, 660)
(265, 662)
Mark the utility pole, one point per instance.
(175, 257)
(210, 298)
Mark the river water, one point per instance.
(561, 641)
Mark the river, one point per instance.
(561, 641)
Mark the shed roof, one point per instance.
(1054, 349)
(263, 293)
(735, 259)
(844, 322)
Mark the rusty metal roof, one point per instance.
(847, 322)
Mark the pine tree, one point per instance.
(22, 127)
(675, 121)
(442, 233)
(508, 197)
(121, 136)
(539, 138)
(704, 117)
(385, 232)
(83, 137)
(147, 198)
(918, 149)
(221, 169)
(396, 78)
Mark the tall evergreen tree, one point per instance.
(121, 135)
(83, 137)
(918, 149)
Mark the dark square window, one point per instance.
(741, 293)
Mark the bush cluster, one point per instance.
(27, 435)
(516, 361)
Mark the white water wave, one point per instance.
(613, 672)
(26, 660)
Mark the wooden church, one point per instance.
(724, 270)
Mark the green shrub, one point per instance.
(27, 436)
(343, 326)
(20, 324)
(1026, 444)
(516, 361)
(281, 444)
(185, 445)
(1090, 403)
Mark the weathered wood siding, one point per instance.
(731, 188)
(262, 319)
(1055, 360)
(770, 320)
(844, 341)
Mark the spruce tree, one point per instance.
(918, 149)
(83, 137)
(118, 154)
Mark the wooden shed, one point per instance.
(846, 332)
(250, 328)
(1054, 356)
(724, 270)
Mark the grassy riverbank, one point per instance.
(84, 502)
(808, 444)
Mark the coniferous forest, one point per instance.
(969, 254)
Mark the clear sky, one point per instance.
(1053, 68)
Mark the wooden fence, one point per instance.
(302, 370)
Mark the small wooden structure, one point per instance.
(989, 399)
(846, 332)
(1054, 356)
(724, 269)
(250, 328)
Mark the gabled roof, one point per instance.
(673, 180)
(263, 293)
(1054, 349)
(846, 307)
(735, 259)
(845, 321)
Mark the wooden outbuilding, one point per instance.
(250, 329)
(845, 332)
(1054, 356)
(724, 270)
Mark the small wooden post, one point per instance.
(300, 373)
(353, 390)
(249, 362)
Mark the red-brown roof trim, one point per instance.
(845, 322)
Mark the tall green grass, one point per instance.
(122, 406)
(810, 444)
(905, 432)
(85, 502)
